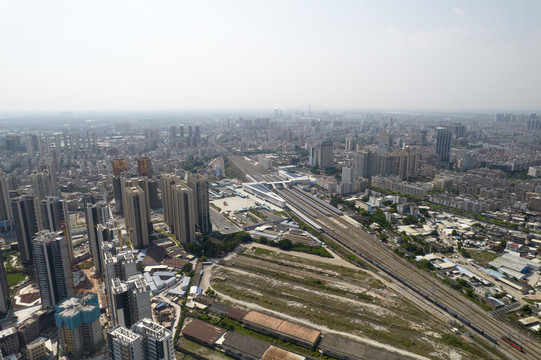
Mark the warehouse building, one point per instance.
(202, 332)
(341, 347)
(242, 346)
(274, 353)
(283, 329)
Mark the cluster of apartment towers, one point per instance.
(43, 229)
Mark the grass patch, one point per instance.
(314, 250)
(15, 278)
(232, 171)
(260, 251)
(452, 340)
(482, 257)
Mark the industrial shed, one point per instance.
(219, 308)
(202, 332)
(242, 346)
(284, 329)
(236, 314)
(274, 353)
(298, 334)
(261, 322)
(341, 347)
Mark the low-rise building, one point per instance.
(36, 350)
(9, 341)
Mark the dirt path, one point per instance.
(337, 297)
(322, 328)
(335, 260)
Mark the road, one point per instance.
(178, 311)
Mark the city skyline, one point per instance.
(240, 55)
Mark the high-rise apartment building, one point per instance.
(55, 217)
(48, 166)
(183, 213)
(443, 145)
(326, 155)
(96, 215)
(157, 340)
(40, 184)
(124, 344)
(4, 288)
(6, 213)
(119, 166)
(137, 216)
(54, 213)
(78, 319)
(144, 167)
(168, 181)
(26, 224)
(129, 300)
(53, 270)
(200, 187)
(350, 143)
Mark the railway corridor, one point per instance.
(344, 231)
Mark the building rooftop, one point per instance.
(124, 335)
(274, 353)
(263, 320)
(203, 331)
(8, 332)
(299, 332)
(245, 344)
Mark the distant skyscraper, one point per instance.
(326, 155)
(172, 132)
(55, 217)
(52, 262)
(183, 210)
(348, 175)
(4, 288)
(200, 186)
(443, 145)
(350, 143)
(78, 319)
(6, 213)
(40, 184)
(136, 215)
(181, 133)
(48, 166)
(95, 215)
(26, 224)
(313, 156)
(167, 182)
(423, 137)
(144, 167)
(119, 166)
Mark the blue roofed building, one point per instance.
(78, 319)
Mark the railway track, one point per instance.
(356, 239)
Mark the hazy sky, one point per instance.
(169, 55)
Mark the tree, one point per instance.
(263, 240)
(410, 220)
(187, 268)
(285, 244)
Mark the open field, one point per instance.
(482, 257)
(336, 298)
